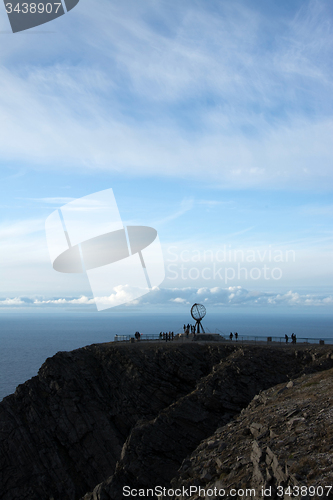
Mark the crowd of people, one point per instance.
(163, 336)
(189, 329)
(293, 338)
(167, 336)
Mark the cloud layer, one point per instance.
(216, 297)
(174, 89)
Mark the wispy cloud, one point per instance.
(213, 203)
(246, 230)
(19, 228)
(59, 200)
(185, 206)
(317, 210)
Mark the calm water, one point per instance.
(26, 340)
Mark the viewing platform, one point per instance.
(219, 337)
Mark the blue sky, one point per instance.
(211, 121)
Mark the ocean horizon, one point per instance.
(28, 339)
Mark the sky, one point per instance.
(211, 121)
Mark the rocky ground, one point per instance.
(142, 415)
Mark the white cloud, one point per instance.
(16, 301)
(179, 300)
(122, 293)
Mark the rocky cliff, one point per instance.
(281, 443)
(109, 415)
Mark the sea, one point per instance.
(28, 339)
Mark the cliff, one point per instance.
(109, 415)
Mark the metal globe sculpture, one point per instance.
(198, 312)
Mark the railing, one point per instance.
(121, 338)
(256, 339)
(274, 339)
(151, 336)
(143, 337)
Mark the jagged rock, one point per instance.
(257, 429)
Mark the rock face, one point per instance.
(110, 415)
(281, 442)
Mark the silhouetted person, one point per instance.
(171, 335)
(231, 336)
(293, 337)
(287, 338)
(236, 336)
